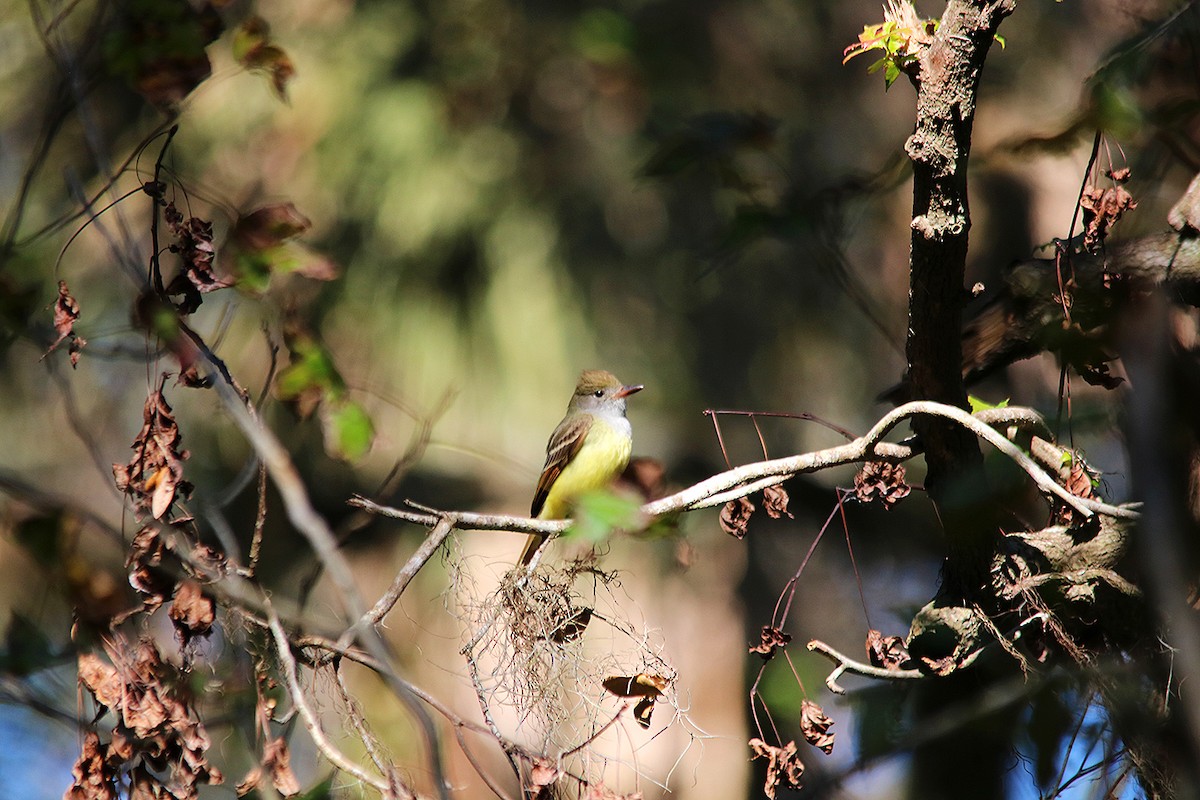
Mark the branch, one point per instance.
(385, 603)
(316, 530)
(748, 478)
(1023, 318)
(335, 756)
(846, 664)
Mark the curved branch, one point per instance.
(846, 664)
(748, 478)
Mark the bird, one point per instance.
(587, 451)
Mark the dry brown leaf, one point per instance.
(101, 679)
(66, 313)
(191, 611)
(145, 555)
(888, 652)
(1079, 481)
(1102, 208)
(194, 246)
(879, 480)
(815, 726)
(775, 502)
(771, 639)
(153, 478)
(94, 780)
(278, 760)
(784, 767)
(735, 517)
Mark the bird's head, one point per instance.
(599, 391)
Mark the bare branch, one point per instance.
(309, 717)
(316, 530)
(846, 664)
(385, 603)
(749, 478)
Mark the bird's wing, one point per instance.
(563, 445)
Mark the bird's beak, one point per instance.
(625, 391)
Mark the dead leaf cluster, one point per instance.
(879, 480)
(154, 476)
(784, 767)
(194, 246)
(1102, 208)
(771, 639)
(157, 731)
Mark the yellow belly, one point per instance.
(604, 456)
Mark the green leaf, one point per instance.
(978, 404)
(598, 514)
(348, 429)
(311, 368)
(890, 74)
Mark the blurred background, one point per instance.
(699, 197)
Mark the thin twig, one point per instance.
(432, 542)
(360, 727)
(300, 702)
(260, 519)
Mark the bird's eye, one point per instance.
(598, 393)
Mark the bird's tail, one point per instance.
(531, 546)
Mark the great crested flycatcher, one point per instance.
(587, 451)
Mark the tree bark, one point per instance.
(947, 83)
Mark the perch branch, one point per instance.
(748, 478)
